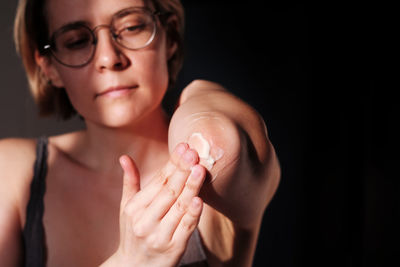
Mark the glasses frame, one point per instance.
(50, 46)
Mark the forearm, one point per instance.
(246, 171)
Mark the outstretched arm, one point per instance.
(16, 161)
(232, 142)
(243, 167)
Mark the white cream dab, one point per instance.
(203, 148)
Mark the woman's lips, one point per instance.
(116, 91)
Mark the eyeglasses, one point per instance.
(74, 45)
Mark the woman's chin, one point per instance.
(122, 117)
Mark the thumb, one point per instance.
(131, 179)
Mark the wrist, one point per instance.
(116, 260)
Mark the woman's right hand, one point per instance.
(157, 221)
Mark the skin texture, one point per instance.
(145, 69)
(129, 189)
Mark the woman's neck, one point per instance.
(100, 147)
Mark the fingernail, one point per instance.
(181, 149)
(195, 172)
(196, 202)
(188, 157)
(122, 161)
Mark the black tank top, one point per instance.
(34, 233)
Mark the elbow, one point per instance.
(218, 143)
(270, 175)
(260, 162)
(263, 161)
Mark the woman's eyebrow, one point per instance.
(71, 25)
(122, 13)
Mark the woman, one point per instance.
(192, 188)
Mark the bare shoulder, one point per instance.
(14, 146)
(17, 157)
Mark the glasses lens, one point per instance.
(74, 46)
(134, 29)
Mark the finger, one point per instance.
(131, 179)
(170, 167)
(192, 188)
(147, 194)
(189, 222)
(173, 162)
(178, 179)
(172, 188)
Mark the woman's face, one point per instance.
(118, 86)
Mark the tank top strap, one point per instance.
(194, 254)
(34, 235)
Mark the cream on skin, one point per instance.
(203, 148)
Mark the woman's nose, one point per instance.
(108, 55)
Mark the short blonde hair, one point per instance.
(31, 34)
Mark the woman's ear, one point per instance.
(48, 69)
(171, 28)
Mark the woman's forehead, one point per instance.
(61, 12)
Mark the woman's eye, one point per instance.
(134, 28)
(77, 43)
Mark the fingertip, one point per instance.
(190, 158)
(131, 177)
(198, 170)
(124, 161)
(196, 156)
(181, 148)
(128, 164)
(197, 204)
(179, 152)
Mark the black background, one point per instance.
(317, 74)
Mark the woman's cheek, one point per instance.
(155, 70)
(79, 93)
